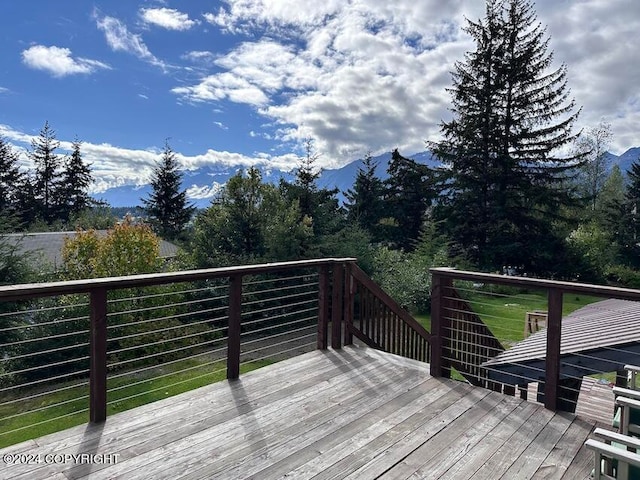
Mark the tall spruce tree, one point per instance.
(364, 202)
(409, 193)
(76, 179)
(167, 204)
(511, 115)
(47, 179)
(318, 207)
(10, 178)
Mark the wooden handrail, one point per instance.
(31, 290)
(527, 282)
(363, 278)
(383, 323)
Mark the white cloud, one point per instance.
(58, 61)
(224, 86)
(4, 90)
(368, 75)
(119, 38)
(199, 56)
(113, 166)
(167, 18)
(197, 192)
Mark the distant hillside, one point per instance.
(204, 183)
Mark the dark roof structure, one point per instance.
(600, 337)
(48, 245)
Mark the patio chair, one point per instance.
(630, 392)
(616, 455)
(631, 398)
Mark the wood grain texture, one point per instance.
(349, 413)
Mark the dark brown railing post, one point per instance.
(348, 305)
(235, 317)
(323, 307)
(439, 365)
(552, 361)
(336, 305)
(98, 355)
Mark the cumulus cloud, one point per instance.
(113, 166)
(58, 61)
(119, 38)
(368, 76)
(357, 76)
(167, 18)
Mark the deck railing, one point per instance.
(376, 319)
(109, 344)
(461, 341)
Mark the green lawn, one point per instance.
(505, 314)
(75, 411)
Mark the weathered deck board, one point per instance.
(353, 413)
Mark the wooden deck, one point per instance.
(351, 413)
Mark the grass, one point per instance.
(505, 315)
(74, 410)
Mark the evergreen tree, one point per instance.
(167, 205)
(318, 207)
(409, 192)
(47, 180)
(10, 178)
(624, 219)
(364, 202)
(511, 115)
(76, 179)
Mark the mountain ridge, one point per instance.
(204, 183)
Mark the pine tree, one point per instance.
(409, 193)
(318, 207)
(10, 178)
(364, 202)
(167, 205)
(76, 179)
(511, 116)
(47, 180)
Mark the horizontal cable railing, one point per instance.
(563, 344)
(106, 345)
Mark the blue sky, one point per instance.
(244, 82)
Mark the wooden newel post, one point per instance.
(336, 305)
(323, 307)
(552, 361)
(233, 336)
(439, 365)
(98, 355)
(348, 305)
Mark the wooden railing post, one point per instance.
(552, 361)
(439, 365)
(235, 317)
(336, 305)
(98, 355)
(323, 307)
(348, 305)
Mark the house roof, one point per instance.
(49, 244)
(599, 337)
